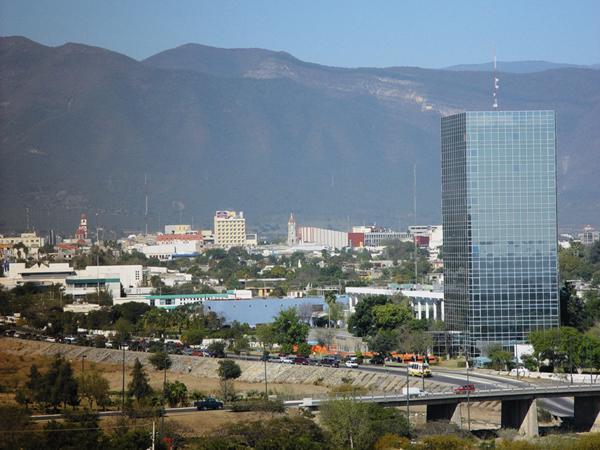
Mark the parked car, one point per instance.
(208, 403)
(332, 362)
(301, 360)
(351, 364)
(286, 359)
(377, 359)
(464, 388)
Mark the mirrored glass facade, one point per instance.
(499, 217)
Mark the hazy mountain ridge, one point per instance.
(520, 66)
(255, 130)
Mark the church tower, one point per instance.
(292, 238)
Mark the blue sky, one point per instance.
(338, 33)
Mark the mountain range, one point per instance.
(198, 128)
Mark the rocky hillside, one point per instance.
(255, 130)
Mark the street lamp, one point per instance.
(123, 385)
(407, 397)
(266, 386)
(83, 371)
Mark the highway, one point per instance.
(561, 407)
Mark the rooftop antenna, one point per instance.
(415, 219)
(146, 197)
(495, 104)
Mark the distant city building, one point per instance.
(178, 229)
(589, 235)
(374, 236)
(166, 252)
(31, 241)
(321, 236)
(229, 229)
(177, 239)
(499, 225)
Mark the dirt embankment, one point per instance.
(201, 373)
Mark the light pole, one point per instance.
(407, 397)
(83, 371)
(123, 385)
(266, 386)
(468, 390)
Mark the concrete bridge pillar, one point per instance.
(587, 413)
(444, 411)
(520, 415)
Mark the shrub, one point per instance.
(160, 360)
(444, 443)
(391, 441)
(272, 406)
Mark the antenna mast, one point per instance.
(495, 103)
(146, 198)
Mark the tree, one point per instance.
(384, 342)
(280, 433)
(239, 345)
(358, 425)
(570, 342)
(160, 360)
(194, 336)
(572, 308)
(546, 346)
(266, 335)
(361, 323)
(501, 359)
(94, 387)
(13, 421)
(304, 349)
(588, 354)
(176, 393)
(59, 384)
(228, 371)
(391, 315)
(123, 328)
(139, 387)
(288, 328)
(218, 348)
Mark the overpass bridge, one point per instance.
(519, 405)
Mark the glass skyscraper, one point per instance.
(499, 217)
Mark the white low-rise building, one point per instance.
(425, 304)
(45, 274)
(130, 275)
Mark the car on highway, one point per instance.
(465, 388)
(351, 364)
(208, 403)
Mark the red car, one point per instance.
(464, 389)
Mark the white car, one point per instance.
(351, 364)
(287, 360)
